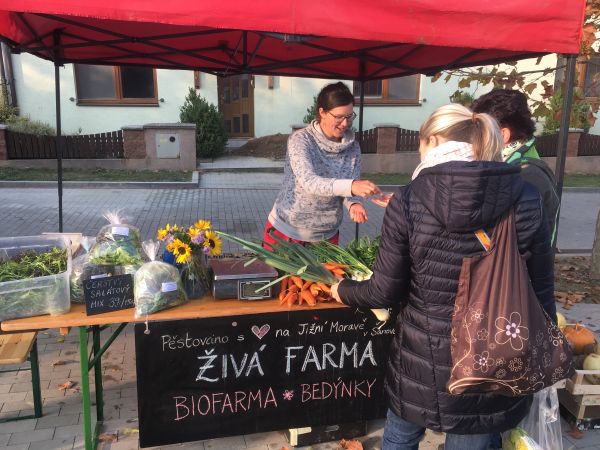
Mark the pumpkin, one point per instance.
(592, 362)
(580, 338)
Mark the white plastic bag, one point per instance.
(157, 285)
(542, 423)
(117, 243)
(80, 262)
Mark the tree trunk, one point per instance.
(595, 268)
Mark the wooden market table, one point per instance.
(202, 308)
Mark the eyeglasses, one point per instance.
(340, 119)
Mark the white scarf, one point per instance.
(446, 152)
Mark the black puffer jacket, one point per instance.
(427, 230)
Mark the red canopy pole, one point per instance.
(563, 131)
(58, 127)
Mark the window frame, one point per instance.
(384, 100)
(581, 69)
(119, 100)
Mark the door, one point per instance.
(236, 103)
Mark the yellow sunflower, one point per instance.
(193, 232)
(181, 251)
(174, 243)
(168, 229)
(162, 234)
(203, 224)
(212, 241)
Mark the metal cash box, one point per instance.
(232, 279)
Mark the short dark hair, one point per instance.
(510, 109)
(332, 96)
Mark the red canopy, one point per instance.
(351, 39)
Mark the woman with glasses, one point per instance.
(321, 175)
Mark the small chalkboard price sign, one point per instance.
(110, 293)
(223, 376)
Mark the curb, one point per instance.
(241, 169)
(569, 253)
(194, 184)
(582, 190)
(576, 190)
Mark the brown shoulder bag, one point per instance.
(502, 339)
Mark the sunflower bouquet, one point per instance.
(188, 247)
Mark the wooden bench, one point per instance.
(15, 349)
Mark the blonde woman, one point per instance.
(460, 185)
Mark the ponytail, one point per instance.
(455, 122)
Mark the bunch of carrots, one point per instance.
(296, 290)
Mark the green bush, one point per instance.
(211, 136)
(26, 125)
(311, 112)
(9, 117)
(7, 112)
(581, 112)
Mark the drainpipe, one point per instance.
(6, 76)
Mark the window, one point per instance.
(114, 85)
(591, 77)
(394, 91)
(587, 74)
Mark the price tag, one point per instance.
(121, 231)
(107, 293)
(169, 286)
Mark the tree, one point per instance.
(211, 136)
(507, 76)
(311, 112)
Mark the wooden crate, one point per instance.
(580, 400)
(578, 385)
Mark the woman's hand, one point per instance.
(364, 188)
(358, 213)
(334, 292)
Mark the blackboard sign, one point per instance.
(207, 378)
(105, 294)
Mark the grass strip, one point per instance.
(12, 174)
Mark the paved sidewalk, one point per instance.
(233, 210)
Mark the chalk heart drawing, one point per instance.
(260, 332)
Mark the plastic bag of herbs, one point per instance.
(85, 267)
(34, 277)
(157, 285)
(80, 262)
(117, 243)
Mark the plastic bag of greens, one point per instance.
(157, 284)
(540, 428)
(80, 262)
(90, 270)
(117, 243)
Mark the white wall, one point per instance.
(284, 105)
(36, 98)
(274, 109)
